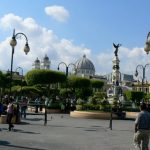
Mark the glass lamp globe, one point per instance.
(13, 42)
(26, 48)
(147, 48)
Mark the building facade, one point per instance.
(43, 64)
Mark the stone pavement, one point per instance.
(67, 133)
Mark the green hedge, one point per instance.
(93, 107)
(79, 107)
(130, 109)
(54, 106)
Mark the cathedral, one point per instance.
(43, 64)
(83, 66)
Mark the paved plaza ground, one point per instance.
(67, 133)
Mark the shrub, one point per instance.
(91, 107)
(130, 109)
(54, 106)
(80, 101)
(79, 107)
(106, 107)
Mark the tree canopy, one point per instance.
(43, 76)
(78, 82)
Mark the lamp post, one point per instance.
(21, 76)
(143, 72)
(13, 43)
(67, 67)
(147, 44)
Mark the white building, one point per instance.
(43, 64)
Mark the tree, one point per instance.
(26, 90)
(44, 77)
(78, 82)
(81, 86)
(97, 83)
(4, 82)
(134, 96)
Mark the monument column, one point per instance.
(115, 70)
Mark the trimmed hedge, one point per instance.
(54, 106)
(93, 107)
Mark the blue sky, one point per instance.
(71, 28)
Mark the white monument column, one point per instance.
(116, 74)
(115, 70)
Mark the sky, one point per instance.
(65, 30)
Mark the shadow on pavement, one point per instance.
(57, 126)
(4, 142)
(21, 131)
(33, 119)
(7, 144)
(24, 123)
(96, 126)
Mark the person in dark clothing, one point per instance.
(17, 113)
(1, 108)
(142, 128)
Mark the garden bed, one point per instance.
(131, 115)
(92, 115)
(101, 115)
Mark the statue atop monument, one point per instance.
(116, 48)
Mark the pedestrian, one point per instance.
(142, 128)
(1, 108)
(62, 108)
(41, 100)
(23, 106)
(37, 104)
(10, 113)
(17, 112)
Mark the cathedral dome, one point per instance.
(85, 66)
(46, 58)
(37, 60)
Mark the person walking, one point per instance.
(10, 112)
(37, 104)
(23, 106)
(142, 128)
(1, 108)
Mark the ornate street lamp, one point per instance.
(147, 44)
(21, 76)
(143, 72)
(13, 43)
(67, 67)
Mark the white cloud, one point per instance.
(59, 13)
(129, 59)
(41, 41)
(8, 20)
(44, 41)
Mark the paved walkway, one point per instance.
(67, 134)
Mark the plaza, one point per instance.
(67, 133)
(79, 70)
